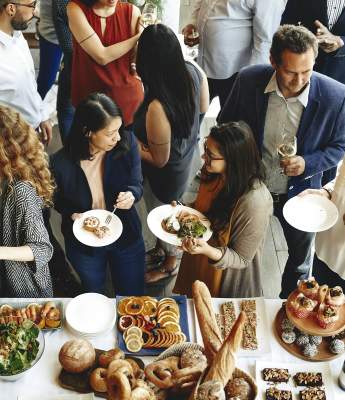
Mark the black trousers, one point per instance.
(299, 250)
(325, 276)
(221, 88)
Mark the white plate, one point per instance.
(156, 216)
(264, 346)
(310, 213)
(91, 314)
(293, 369)
(89, 238)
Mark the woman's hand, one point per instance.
(125, 200)
(75, 216)
(200, 246)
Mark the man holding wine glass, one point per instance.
(299, 114)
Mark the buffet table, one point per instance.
(42, 381)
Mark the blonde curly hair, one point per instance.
(22, 155)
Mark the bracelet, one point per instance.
(329, 192)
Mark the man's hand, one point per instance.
(327, 41)
(293, 166)
(46, 131)
(125, 200)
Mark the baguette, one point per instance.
(210, 332)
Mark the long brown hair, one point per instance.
(22, 156)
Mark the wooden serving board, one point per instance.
(324, 353)
(80, 382)
(309, 325)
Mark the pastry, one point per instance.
(335, 296)
(276, 375)
(288, 337)
(317, 340)
(229, 316)
(327, 315)
(310, 350)
(301, 306)
(90, 223)
(308, 379)
(98, 381)
(101, 231)
(302, 340)
(312, 394)
(273, 393)
(238, 388)
(309, 287)
(249, 339)
(337, 346)
(287, 325)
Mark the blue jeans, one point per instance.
(50, 57)
(127, 267)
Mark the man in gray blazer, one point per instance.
(233, 34)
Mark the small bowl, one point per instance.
(18, 375)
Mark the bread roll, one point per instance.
(77, 355)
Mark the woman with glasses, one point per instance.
(100, 168)
(236, 201)
(167, 127)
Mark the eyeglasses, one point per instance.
(208, 155)
(31, 5)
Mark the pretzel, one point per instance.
(161, 372)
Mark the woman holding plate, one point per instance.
(238, 204)
(100, 168)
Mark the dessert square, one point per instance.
(274, 393)
(229, 315)
(308, 379)
(276, 375)
(312, 394)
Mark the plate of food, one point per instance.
(310, 213)
(172, 223)
(46, 315)
(92, 230)
(148, 325)
(277, 381)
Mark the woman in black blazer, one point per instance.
(100, 167)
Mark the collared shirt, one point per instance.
(235, 33)
(283, 117)
(334, 10)
(18, 88)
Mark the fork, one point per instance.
(109, 217)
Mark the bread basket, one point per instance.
(178, 349)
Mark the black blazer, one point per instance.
(306, 12)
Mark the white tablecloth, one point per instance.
(42, 381)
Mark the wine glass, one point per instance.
(149, 14)
(287, 148)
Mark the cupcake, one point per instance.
(301, 306)
(335, 296)
(309, 287)
(327, 315)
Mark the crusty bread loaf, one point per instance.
(77, 355)
(210, 332)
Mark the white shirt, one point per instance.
(18, 88)
(235, 33)
(283, 117)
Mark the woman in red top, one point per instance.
(105, 33)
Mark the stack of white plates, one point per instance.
(90, 315)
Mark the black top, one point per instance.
(169, 183)
(122, 172)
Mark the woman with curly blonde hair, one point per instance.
(26, 187)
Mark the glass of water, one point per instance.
(149, 14)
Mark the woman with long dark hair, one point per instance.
(167, 123)
(100, 168)
(233, 196)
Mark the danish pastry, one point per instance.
(91, 223)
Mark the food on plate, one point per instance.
(77, 355)
(125, 322)
(249, 338)
(288, 337)
(308, 379)
(98, 380)
(302, 306)
(276, 375)
(312, 394)
(91, 223)
(238, 388)
(106, 357)
(46, 315)
(273, 393)
(309, 287)
(18, 347)
(229, 316)
(335, 296)
(193, 357)
(184, 224)
(101, 231)
(310, 350)
(327, 315)
(302, 340)
(118, 383)
(337, 346)
(317, 340)
(287, 325)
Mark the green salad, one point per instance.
(18, 347)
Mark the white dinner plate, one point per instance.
(156, 216)
(89, 238)
(310, 213)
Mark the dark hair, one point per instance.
(91, 115)
(297, 39)
(244, 167)
(162, 68)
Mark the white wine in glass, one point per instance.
(288, 147)
(149, 14)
